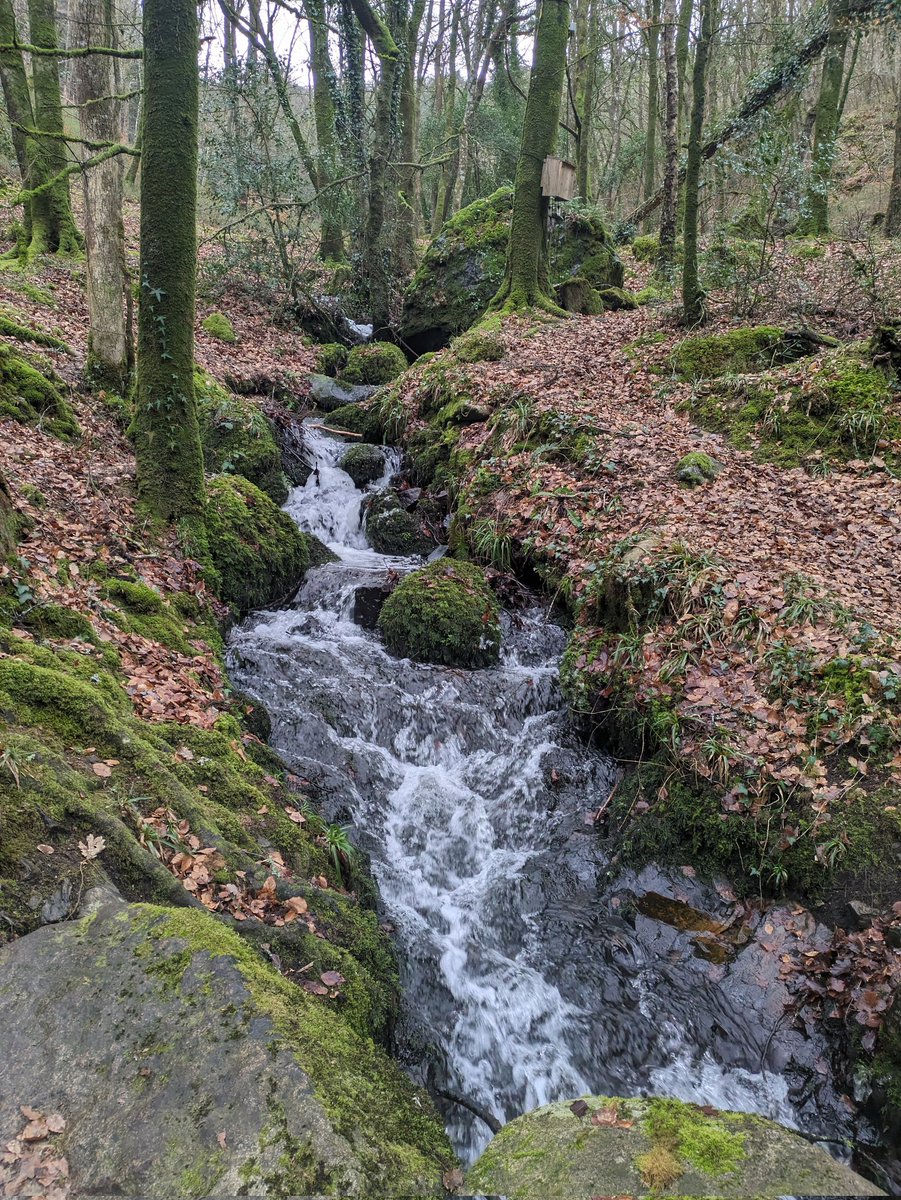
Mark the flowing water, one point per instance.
(529, 973)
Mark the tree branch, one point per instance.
(73, 52)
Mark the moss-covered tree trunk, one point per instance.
(52, 224)
(446, 177)
(17, 97)
(108, 285)
(693, 306)
(649, 167)
(826, 128)
(8, 522)
(585, 79)
(893, 212)
(167, 440)
(331, 236)
(670, 143)
(408, 191)
(525, 282)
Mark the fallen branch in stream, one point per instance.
(331, 429)
(476, 1109)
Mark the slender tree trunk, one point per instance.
(525, 284)
(8, 522)
(826, 128)
(446, 178)
(52, 224)
(167, 439)
(408, 196)
(331, 237)
(17, 96)
(683, 43)
(893, 212)
(693, 306)
(108, 284)
(670, 148)
(583, 91)
(649, 170)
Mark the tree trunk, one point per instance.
(693, 306)
(52, 224)
(893, 212)
(8, 522)
(108, 284)
(583, 91)
(446, 178)
(408, 191)
(683, 42)
(167, 439)
(650, 143)
(331, 236)
(826, 129)
(670, 147)
(17, 96)
(525, 284)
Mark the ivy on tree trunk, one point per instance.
(167, 439)
(525, 282)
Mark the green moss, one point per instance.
(478, 345)
(356, 418)
(58, 621)
(218, 325)
(837, 409)
(806, 249)
(331, 359)
(364, 463)
(445, 613)
(696, 468)
(391, 529)
(260, 554)
(646, 247)
(142, 610)
(31, 397)
(24, 333)
(704, 1142)
(237, 439)
(432, 451)
(580, 244)
(617, 298)
(735, 353)
(394, 1129)
(376, 363)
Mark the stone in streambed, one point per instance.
(364, 464)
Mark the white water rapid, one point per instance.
(524, 979)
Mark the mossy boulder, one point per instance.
(331, 359)
(375, 363)
(34, 397)
(636, 1147)
(186, 1065)
(577, 295)
(330, 394)
(219, 326)
(237, 439)
(696, 468)
(616, 299)
(478, 345)
(356, 419)
(393, 529)
(463, 266)
(446, 613)
(738, 352)
(259, 553)
(364, 464)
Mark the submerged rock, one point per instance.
(613, 1147)
(185, 1065)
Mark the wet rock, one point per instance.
(57, 906)
(364, 464)
(170, 1049)
(331, 394)
(393, 530)
(614, 1147)
(368, 603)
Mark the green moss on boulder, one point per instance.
(738, 352)
(34, 398)
(657, 1145)
(237, 439)
(260, 554)
(617, 298)
(218, 325)
(376, 363)
(356, 418)
(579, 244)
(577, 295)
(445, 613)
(478, 345)
(331, 359)
(392, 529)
(364, 464)
(58, 621)
(697, 468)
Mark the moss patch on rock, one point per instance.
(445, 613)
(376, 363)
(830, 409)
(364, 463)
(356, 418)
(664, 1145)
(392, 529)
(331, 359)
(237, 439)
(259, 553)
(34, 398)
(218, 325)
(696, 468)
(738, 352)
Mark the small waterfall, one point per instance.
(522, 981)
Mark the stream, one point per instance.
(530, 973)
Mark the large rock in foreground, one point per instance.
(185, 1065)
(604, 1147)
(464, 265)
